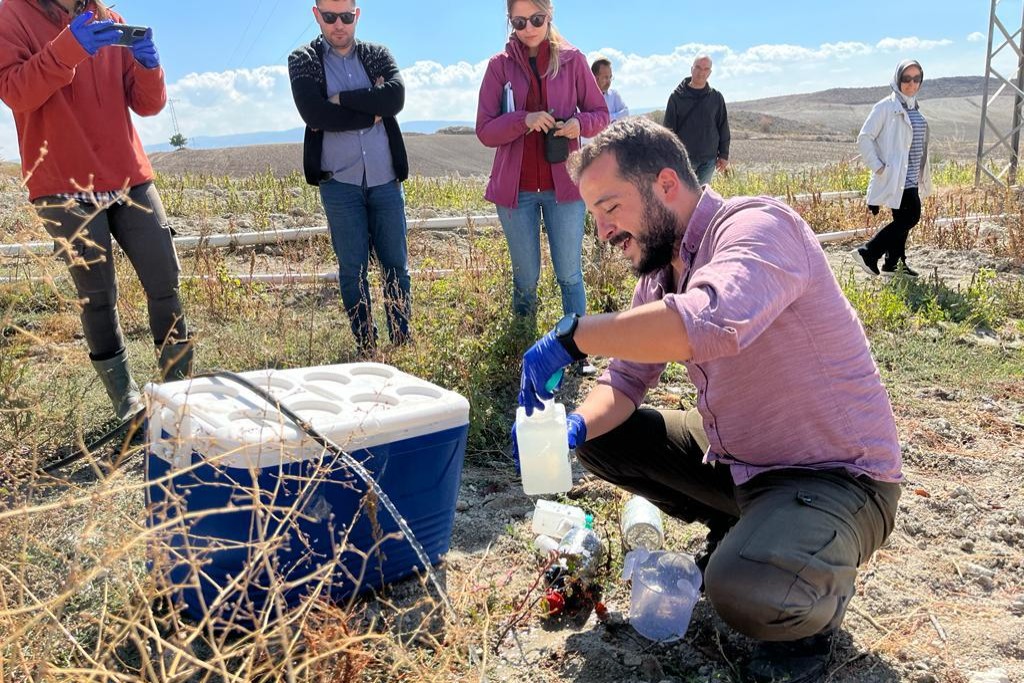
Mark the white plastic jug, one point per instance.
(555, 519)
(544, 450)
(665, 590)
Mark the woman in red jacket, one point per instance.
(539, 95)
(70, 87)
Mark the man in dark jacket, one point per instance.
(348, 92)
(696, 114)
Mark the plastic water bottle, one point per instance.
(555, 519)
(544, 450)
(545, 545)
(641, 525)
(583, 552)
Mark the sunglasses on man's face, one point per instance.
(331, 17)
(911, 79)
(519, 23)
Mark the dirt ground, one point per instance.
(439, 155)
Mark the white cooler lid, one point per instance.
(356, 405)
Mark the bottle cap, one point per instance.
(555, 379)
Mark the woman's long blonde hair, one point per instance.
(554, 37)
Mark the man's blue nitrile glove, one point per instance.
(577, 427)
(145, 51)
(515, 449)
(542, 371)
(92, 35)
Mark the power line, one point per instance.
(241, 37)
(294, 43)
(255, 40)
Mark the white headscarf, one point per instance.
(908, 102)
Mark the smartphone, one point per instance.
(130, 34)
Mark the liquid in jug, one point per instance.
(544, 450)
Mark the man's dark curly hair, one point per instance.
(642, 149)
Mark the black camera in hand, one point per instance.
(556, 147)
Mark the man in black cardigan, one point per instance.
(348, 92)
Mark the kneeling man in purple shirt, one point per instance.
(791, 456)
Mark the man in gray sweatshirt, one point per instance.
(696, 114)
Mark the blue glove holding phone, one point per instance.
(145, 52)
(542, 371)
(577, 429)
(93, 35)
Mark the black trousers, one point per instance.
(82, 236)
(891, 240)
(786, 570)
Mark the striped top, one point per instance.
(916, 147)
(101, 200)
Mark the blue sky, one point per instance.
(225, 60)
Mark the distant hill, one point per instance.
(275, 137)
(939, 88)
(429, 155)
(951, 105)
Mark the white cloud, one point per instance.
(226, 102)
(911, 43)
(975, 37)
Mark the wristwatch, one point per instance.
(565, 330)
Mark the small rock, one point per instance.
(978, 570)
(985, 582)
(632, 661)
(913, 528)
(1017, 606)
(461, 506)
(967, 546)
(991, 676)
(941, 426)
(923, 677)
(650, 668)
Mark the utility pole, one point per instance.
(178, 140)
(993, 138)
(174, 117)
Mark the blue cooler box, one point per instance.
(252, 516)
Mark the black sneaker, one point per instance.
(863, 259)
(900, 268)
(797, 661)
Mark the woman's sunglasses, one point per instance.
(331, 17)
(912, 79)
(519, 23)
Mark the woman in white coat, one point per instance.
(894, 145)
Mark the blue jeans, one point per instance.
(365, 219)
(563, 222)
(704, 170)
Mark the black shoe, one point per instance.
(901, 268)
(797, 661)
(863, 259)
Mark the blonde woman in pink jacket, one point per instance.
(537, 98)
